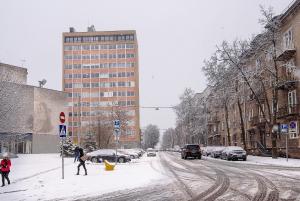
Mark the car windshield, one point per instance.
(192, 147)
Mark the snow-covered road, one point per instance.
(214, 179)
(165, 177)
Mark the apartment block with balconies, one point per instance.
(101, 76)
(258, 108)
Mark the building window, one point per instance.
(290, 69)
(129, 46)
(94, 47)
(121, 46)
(76, 47)
(86, 47)
(77, 66)
(76, 76)
(292, 102)
(95, 85)
(77, 85)
(68, 76)
(121, 56)
(68, 47)
(86, 75)
(258, 63)
(86, 85)
(68, 85)
(76, 56)
(288, 40)
(68, 66)
(112, 47)
(86, 56)
(129, 55)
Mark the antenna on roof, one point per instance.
(91, 28)
(42, 83)
(72, 29)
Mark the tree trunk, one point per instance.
(227, 126)
(274, 121)
(243, 134)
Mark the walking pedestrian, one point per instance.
(82, 159)
(5, 169)
(76, 151)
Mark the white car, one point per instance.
(151, 152)
(108, 154)
(234, 153)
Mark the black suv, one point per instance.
(191, 150)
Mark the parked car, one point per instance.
(206, 151)
(191, 150)
(151, 152)
(234, 153)
(140, 151)
(108, 154)
(132, 153)
(216, 152)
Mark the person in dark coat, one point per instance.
(5, 169)
(76, 151)
(81, 161)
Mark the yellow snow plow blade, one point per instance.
(108, 166)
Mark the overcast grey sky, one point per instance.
(174, 36)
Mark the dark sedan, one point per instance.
(191, 150)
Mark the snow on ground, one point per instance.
(259, 160)
(38, 177)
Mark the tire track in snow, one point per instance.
(187, 190)
(225, 185)
(221, 185)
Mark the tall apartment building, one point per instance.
(101, 76)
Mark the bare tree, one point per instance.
(185, 112)
(103, 128)
(151, 136)
(168, 138)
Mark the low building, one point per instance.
(29, 115)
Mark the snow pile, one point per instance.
(269, 161)
(259, 160)
(37, 177)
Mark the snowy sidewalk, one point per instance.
(46, 183)
(259, 160)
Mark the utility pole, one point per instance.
(79, 122)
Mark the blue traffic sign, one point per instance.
(62, 130)
(117, 123)
(284, 128)
(293, 125)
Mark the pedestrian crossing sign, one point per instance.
(62, 131)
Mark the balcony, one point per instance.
(288, 111)
(287, 53)
(287, 82)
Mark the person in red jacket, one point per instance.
(5, 169)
